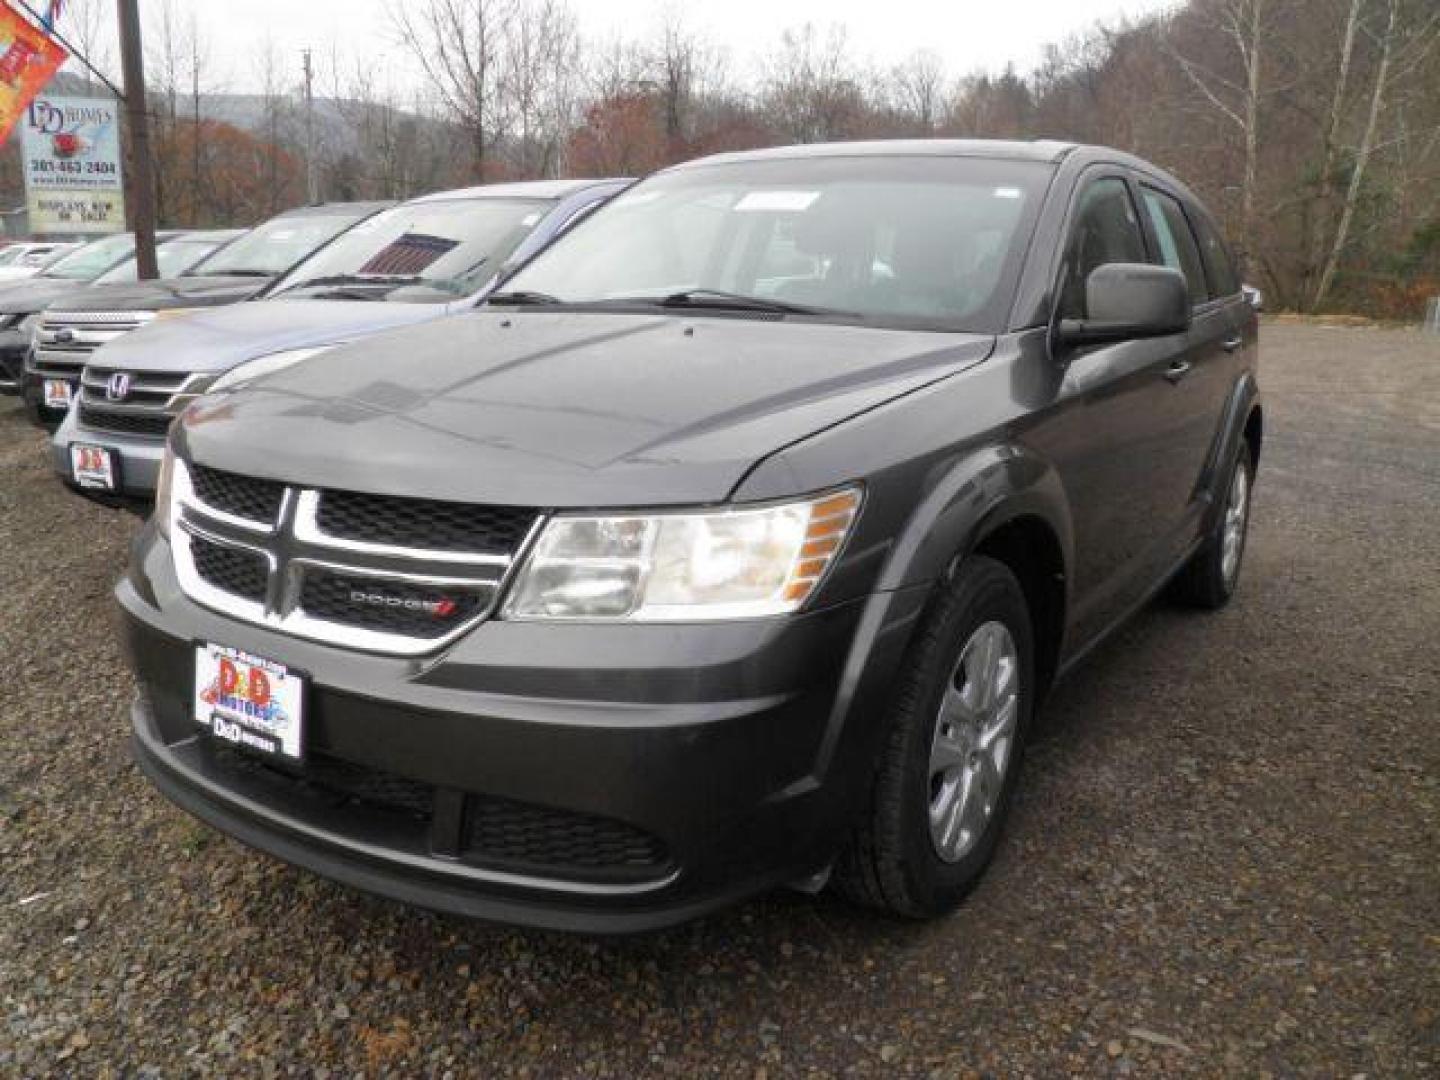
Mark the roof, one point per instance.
(207, 236)
(361, 209)
(1005, 149)
(525, 189)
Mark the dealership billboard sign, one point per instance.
(72, 165)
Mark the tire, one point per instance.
(1208, 580)
(894, 859)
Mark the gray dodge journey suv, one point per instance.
(735, 543)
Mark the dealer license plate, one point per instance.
(57, 394)
(93, 466)
(250, 702)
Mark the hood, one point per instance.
(557, 409)
(36, 293)
(218, 340)
(177, 292)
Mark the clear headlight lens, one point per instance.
(728, 564)
(263, 365)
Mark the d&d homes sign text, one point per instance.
(71, 149)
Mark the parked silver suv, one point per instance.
(412, 263)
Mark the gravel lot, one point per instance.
(1225, 860)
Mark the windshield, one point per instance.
(928, 241)
(9, 256)
(92, 260)
(430, 251)
(172, 257)
(275, 246)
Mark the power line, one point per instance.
(311, 192)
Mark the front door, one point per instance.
(1114, 428)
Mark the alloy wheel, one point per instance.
(974, 737)
(1232, 539)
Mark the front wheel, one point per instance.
(947, 771)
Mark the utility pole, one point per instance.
(312, 194)
(140, 199)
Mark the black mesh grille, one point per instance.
(351, 782)
(155, 425)
(232, 570)
(372, 786)
(500, 833)
(244, 496)
(386, 606)
(424, 523)
(521, 835)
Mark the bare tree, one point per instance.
(1241, 24)
(90, 26)
(918, 86)
(276, 113)
(458, 44)
(539, 62)
(812, 89)
(1362, 155)
(1330, 141)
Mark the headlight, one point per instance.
(164, 489)
(666, 566)
(263, 365)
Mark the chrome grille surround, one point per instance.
(84, 331)
(293, 546)
(153, 396)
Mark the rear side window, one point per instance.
(1105, 230)
(1178, 249)
(1223, 279)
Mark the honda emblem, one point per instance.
(117, 388)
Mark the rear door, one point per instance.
(1202, 372)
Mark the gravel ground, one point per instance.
(1224, 860)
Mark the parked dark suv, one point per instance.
(735, 543)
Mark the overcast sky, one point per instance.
(968, 34)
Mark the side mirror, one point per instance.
(1130, 300)
(1253, 296)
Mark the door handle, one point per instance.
(1177, 370)
(1231, 344)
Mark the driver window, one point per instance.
(1106, 229)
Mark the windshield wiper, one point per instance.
(228, 273)
(720, 299)
(522, 296)
(356, 279)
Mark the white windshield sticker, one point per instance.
(777, 200)
(636, 198)
(1007, 193)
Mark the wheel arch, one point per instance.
(1254, 431)
(1007, 503)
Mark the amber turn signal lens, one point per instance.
(830, 519)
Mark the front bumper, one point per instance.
(138, 457)
(736, 751)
